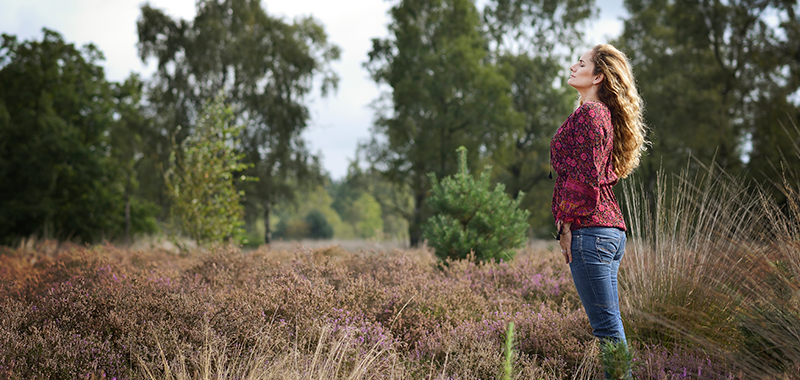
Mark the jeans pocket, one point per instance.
(606, 248)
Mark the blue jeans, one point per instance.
(596, 253)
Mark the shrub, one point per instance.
(291, 229)
(471, 218)
(318, 226)
(200, 179)
(366, 216)
(143, 216)
(617, 359)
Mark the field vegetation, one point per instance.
(326, 313)
(710, 291)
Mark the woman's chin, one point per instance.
(569, 82)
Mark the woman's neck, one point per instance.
(590, 95)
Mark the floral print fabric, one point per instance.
(580, 153)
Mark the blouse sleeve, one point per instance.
(580, 192)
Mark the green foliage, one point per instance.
(128, 139)
(367, 214)
(542, 27)
(617, 359)
(717, 78)
(373, 206)
(292, 217)
(492, 82)
(318, 226)
(143, 216)
(363, 214)
(445, 93)
(200, 178)
(291, 229)
(56, 110)
(265, 67)
(472, 219)
(533, 42)
(508, 353)
(521, 160)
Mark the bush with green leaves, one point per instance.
(291, 228)
(318, 226)
(200, 178)
(469, 217)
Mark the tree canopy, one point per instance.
(445, 94)
(264, 66)
(83, 158)
(716, 77)
(532, 45)
(56, 109)
(491, 82)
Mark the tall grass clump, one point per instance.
(684, 241)
(333, 356)
(713, 264)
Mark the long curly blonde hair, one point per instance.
(618, 92)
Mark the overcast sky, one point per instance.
(338, 122)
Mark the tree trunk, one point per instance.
(414, 234)
(267, 232)
(127, 214)
(415, 225)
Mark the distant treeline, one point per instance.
(84, 159)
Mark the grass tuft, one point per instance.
(713, 264)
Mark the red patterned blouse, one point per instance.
(581, 156)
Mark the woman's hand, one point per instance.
(565, 240)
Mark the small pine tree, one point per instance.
(469, 217)
(617, 359)
(200, 178)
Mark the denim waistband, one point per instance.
(599, 231)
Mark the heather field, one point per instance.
(319, 314)
(709, 291)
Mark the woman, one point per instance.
(598, 144)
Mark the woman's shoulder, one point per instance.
(591, 109)
(591, 116)
(594, 113)
(594, 106)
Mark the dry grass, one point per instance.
(331, 359)
(715, 265)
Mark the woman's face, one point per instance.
(582, 72)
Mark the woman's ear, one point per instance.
(598, 79)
